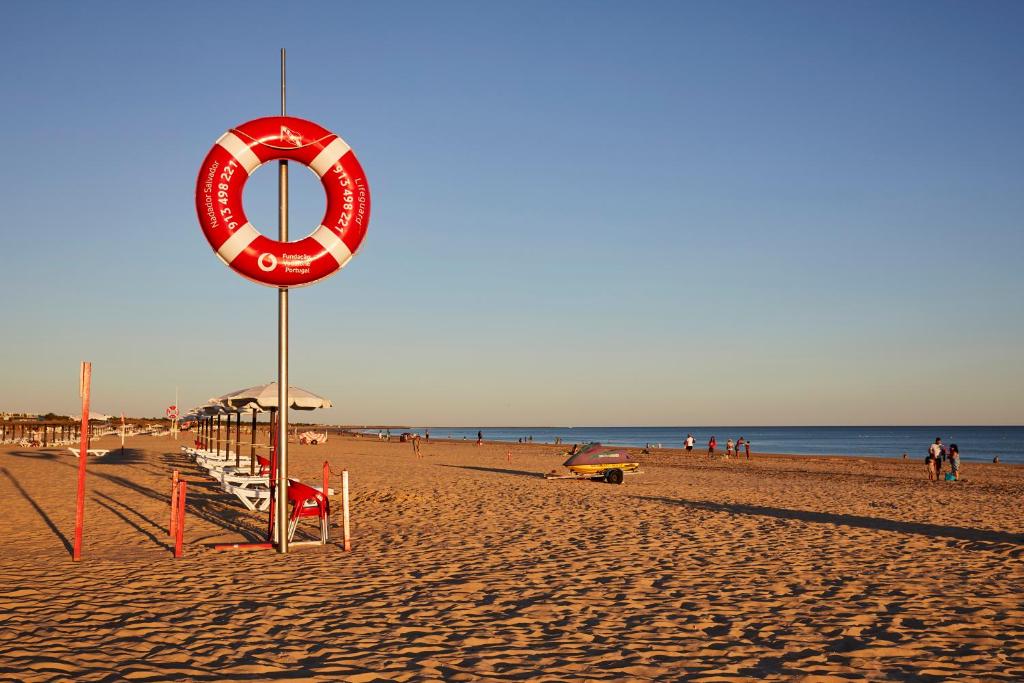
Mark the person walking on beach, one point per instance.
(933, 459)
(426, 435)
(739, 444)
(728, 447)
(711, 446)
(416, 445)
(688, 443)
(954, 461)
(746, 446)
(479, 438)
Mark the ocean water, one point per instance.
(975, 443)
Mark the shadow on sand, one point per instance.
(877, 523)
(498, 470)
(32, 502)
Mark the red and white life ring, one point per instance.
(237, 243)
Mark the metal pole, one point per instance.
(282, 349)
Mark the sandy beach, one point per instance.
(469, 567)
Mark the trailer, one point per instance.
(612, 475)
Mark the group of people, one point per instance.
(939, 454)
(737, 447)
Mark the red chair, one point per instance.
(265, 468)
(308, 502)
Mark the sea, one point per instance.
(975, 443)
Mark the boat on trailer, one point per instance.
(594, 461)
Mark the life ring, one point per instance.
(237, 243)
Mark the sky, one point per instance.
(584, 213)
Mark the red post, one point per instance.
(346, 535)
(327, 481)
(180, 526)
(174, 504)
(508, 455)
(85, 378)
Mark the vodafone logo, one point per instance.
(267, 262)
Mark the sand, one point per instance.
(468, 567)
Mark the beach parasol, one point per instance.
(265, 396)
(94, 417)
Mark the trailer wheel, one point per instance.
(613, 476)
(313, 442)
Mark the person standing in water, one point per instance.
(728, 447)
(479, 438)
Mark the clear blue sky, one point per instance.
(584, 213)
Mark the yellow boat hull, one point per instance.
(604, 467)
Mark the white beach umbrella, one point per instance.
(213, 409)
(265, 396)
(94, 417)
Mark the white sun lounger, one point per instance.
(98, 452)
(252, 497)
(255, 495)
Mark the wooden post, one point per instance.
(238, 438)
(180, 526)
(252, 445)
(344, 511)
(85, 379)
(174, 504)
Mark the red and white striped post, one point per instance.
(84, 380)
(179, 530)
(344, 511)
(174, 504)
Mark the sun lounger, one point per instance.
(212, 461)
(252, 497)
(254, 492)
(97, 452)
